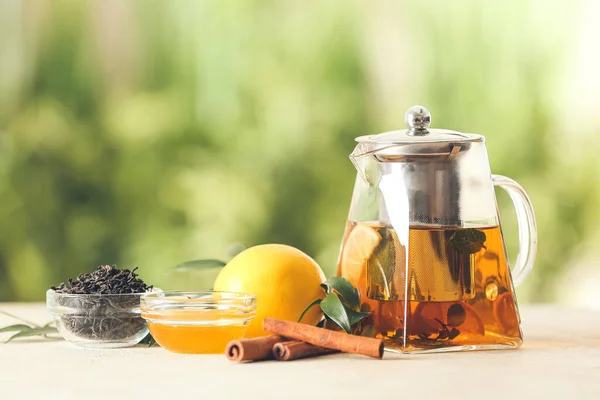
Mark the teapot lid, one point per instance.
(417, 120)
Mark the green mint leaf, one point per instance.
(14, 328)
(33, 332)
(345, 289)
(468, 241)
(208, 263)
(334, 310)
(355, 316)
(314, 303)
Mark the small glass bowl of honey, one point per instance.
(197, 322)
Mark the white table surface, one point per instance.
(559, 360)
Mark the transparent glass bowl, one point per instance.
(197, 322)
(98, 320)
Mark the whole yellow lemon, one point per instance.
(283, 278)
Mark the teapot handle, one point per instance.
(527, 227)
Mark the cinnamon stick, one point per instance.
(325, 337)
(295, 349)
(260, 348)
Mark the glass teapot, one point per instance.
(424, 244)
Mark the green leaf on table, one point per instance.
(207, 263)
(334, 309)
(14, 328)
(314, 303)
(341, 304)
(345, 289)
(41, 331)
(27, 329)
(19, 318)
(355, 316)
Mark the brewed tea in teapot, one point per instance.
(424, 244)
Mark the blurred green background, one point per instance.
(148, 133)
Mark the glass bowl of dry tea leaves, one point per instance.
(100, 309)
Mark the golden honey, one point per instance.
(195, 339)
(197, 322)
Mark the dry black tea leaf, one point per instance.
(443, 335)
(104, 309)
(105, 280)
(453, 334)
(468, 241)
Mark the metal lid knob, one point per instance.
(417, 120)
